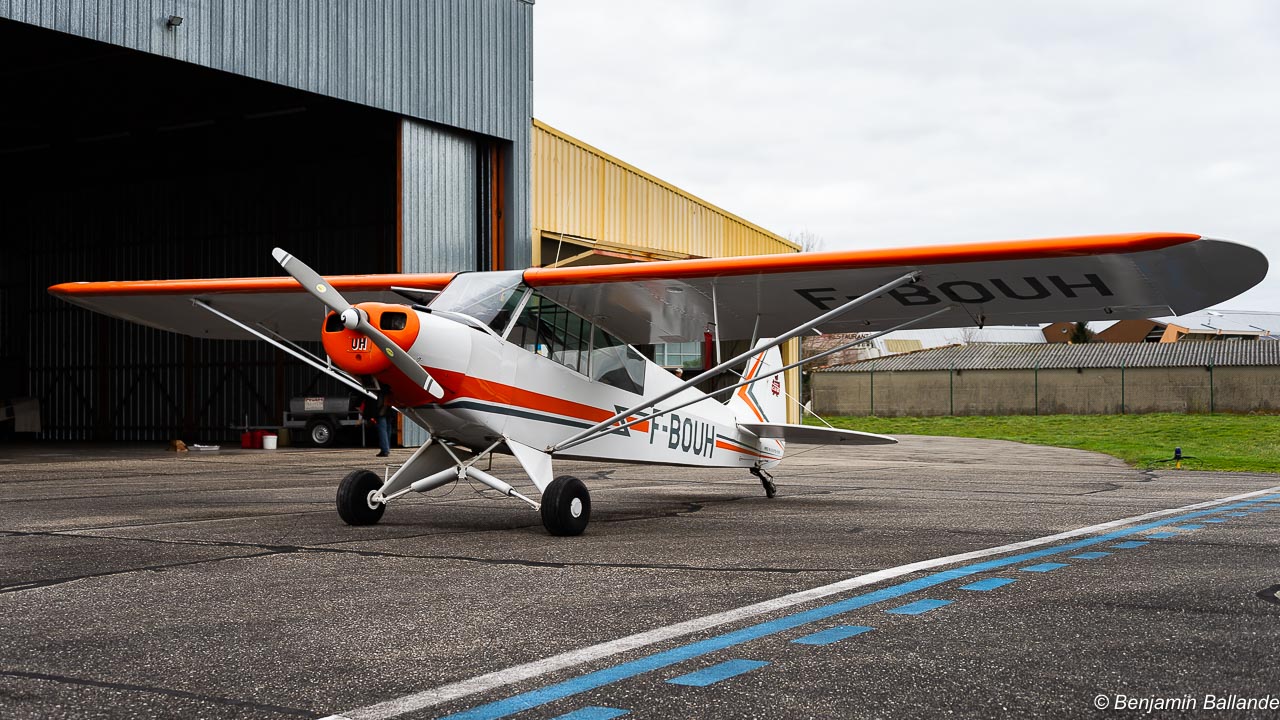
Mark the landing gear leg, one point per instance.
(766, 481)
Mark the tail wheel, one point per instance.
(356, 505)
(566, 506)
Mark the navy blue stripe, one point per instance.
(504, 410)
(607, 676)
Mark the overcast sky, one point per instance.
(876, 124)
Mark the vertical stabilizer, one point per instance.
(765, 400)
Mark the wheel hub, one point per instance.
(373, 500)
(575, 507)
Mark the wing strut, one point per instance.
(298, 353)
(771, 373)
(591, 432)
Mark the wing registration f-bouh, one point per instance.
(540, 363)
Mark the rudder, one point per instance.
(765, 400)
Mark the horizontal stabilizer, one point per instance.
(814, 435)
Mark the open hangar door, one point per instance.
(117, 164)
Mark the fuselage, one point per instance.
(510, 383)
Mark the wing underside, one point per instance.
(1022, 282)
(277, 304)
(1025, 282)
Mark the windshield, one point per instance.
(489, 297)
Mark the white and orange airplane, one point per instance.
(539, 363)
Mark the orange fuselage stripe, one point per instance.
(742, 391)
(464, 387)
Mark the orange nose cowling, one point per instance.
(355, 353)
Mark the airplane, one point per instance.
(541, 364)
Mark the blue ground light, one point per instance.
(835, 634)
(918, 607)
(1043, 567)
(615, 673)
(987, 585)
(716, 673)
(593, 713)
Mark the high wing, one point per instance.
(1021, 282)
(279, 304)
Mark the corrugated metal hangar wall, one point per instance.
(363, 137)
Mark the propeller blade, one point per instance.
(400, 358)
(356, 319)
(311, 280)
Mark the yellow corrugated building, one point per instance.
(590, 208)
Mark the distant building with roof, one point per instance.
(1206, 325)
(904, 341)
(1049, 378)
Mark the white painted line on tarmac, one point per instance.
(482, 683)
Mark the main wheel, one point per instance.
(355, 498)
(566, 506)
(321, 432)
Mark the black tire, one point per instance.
(353, 498)
(321, 432)
(566, 506)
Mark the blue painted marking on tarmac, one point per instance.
(835, 634)
(1238, 514)
(987, 585)
(593, 713)
(1189, 527)
(919, 607)
(1130, 544)
(1043, 567)
(1216, 520)
(607, 676)
(1162, 535)
(1090, 556)
(716, 673)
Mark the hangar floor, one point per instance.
(136, 583)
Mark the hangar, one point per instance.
(187, 139)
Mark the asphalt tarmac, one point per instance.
(136, 582)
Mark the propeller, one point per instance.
(353, 318)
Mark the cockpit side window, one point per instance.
(554, 332)
(551, 331)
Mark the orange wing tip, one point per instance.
(426, 281)
(854, 259)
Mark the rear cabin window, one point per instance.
(616, 363)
